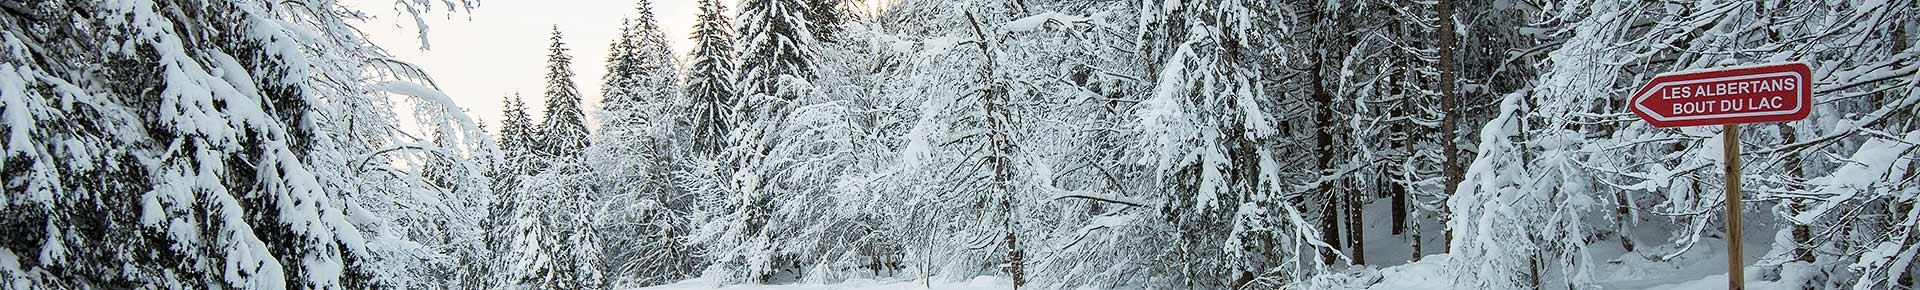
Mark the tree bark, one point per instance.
(1415, 227)
(1802, 233)
(1406, 215)
(1399, 208)
(1355, 234)
(1447, 106)
(1323, 144)
(1000, 151)
(1623, 215)
(1404, 130)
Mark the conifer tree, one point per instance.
(710, 80)
(555, 246)
(196, 145)
(617, 90)
(516, 139)
(640, 69)
(776, 46)
(631, 156)
(563, 134)
(514, 143)
(776, 70)
(825, 17)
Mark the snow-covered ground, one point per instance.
(1700, 267)
(977, 283)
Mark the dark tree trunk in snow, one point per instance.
(1323, 144)
(1802, 233)
(1355, 234)
(1404, 130)
(1447, 106)
(1399, 209)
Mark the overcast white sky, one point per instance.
(501, 46)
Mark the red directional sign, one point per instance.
(1767, 93)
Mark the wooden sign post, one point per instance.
(1728, 97)
(1735, 273)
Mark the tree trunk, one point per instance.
(1323, 144)
(1399, 208)
(1000, 151)
(1416, 239)
(1533, 276)
(1913, 269)
(1623, 215)
(1447, 106)
(1404, 130)
(1405, 214)
(1802, 233)
(1242, 280)
(1355, 230)
(1002, 179)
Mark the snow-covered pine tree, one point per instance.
(575, 246)
(825, 17)
(515, 142)
(710, 80)
(554, 244)
(619, 87)
(563, 131)
(1204, 128)
(776, 58)
(187, 144)
(641, 211)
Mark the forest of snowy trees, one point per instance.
(1056, 144)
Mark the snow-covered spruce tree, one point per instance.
(643, 219)
(554, 244)
(825, 17)
(562, 132)
(1205, 127)
(1518, 210)
(200, 145)
(620, 87)
(776, 56)
(703, 175)
(710, 86)
(1517, 215)
(515, 143)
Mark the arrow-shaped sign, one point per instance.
(1767, 93)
